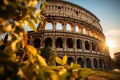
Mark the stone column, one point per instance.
(54, 26)
(73, 27)
(64, 26)
(83, 45)
(54, 29)
(88, 31)
(53, 42)
(64, 43)
(98, 63)
(90, 46)
(75, 43)
(82, 27)
(42, 41)
(92, 63)
(85, 66)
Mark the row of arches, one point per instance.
(78, 28)
(59, 43)
(90, 63)
(73, 12)
(69, 42)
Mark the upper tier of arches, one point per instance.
(70, 10)
(68, 26)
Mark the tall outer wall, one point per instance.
(73, 31)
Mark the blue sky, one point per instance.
(108, 11)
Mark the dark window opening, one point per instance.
(69, 43)
(95, 63)
(70, 60)
(59, 8)
(59, 43)
(88, 63)
(79, 44)
(100, 63)
(36, 43)
(87, 45)
(81, 62)
(28, 41)
(48, 42)
(76, 12)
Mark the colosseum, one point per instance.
(73, 31)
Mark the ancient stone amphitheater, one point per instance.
(72, 30)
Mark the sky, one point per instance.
(108, 11)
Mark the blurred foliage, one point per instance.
(14, 16)
(108, 75)
(49, 54)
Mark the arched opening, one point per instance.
(77, 29)
(59, 43)
(93, 46)
(48, 26)
(79, 44)
(100, 63)
(70, 60)
(48, 42)
(87, 45)
(80, 61)
(68, 27)
(85, 30)
(104, 64)
(59, 8)
(69, 43)
(95, 63)
(88, 63)
(36, 43)
(58, 26)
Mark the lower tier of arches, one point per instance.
(87, 60)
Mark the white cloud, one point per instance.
(113, 32)
(113, 35)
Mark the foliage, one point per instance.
(49, 54)
(14, 16)
(109, 75)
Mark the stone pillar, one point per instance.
(98, 63)
(53, 42)
(54, 26)
(88, 31)
(75, 43)
(64, 26)
(90, 46)
(92, 63)
(82, 27)
(64, 43)
(83, 45)
(73, 27)
(85, 66)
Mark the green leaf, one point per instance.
(31, 24)
(65, 59)
(13, 45)
(58, 60)
(32, 50)
(85, 73)
(43, 5)
(41, 60)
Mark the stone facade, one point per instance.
(72, 30)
